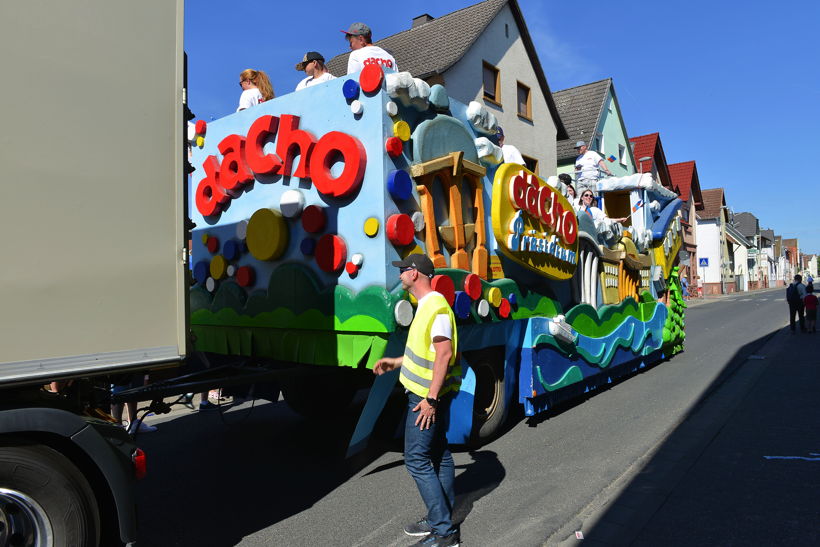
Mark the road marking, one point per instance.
(764, 299)
(815, 459)
(745, 299)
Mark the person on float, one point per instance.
(511, 153)
(256, 88)
(586, 168)
(430, 376)
(569, 192)
(363, 52)
(314, 66)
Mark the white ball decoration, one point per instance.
(292, 203)
(210, 284)
(356, 107)
(483, 308)
(357, 260)
(231, 270)
(418, 221)
(391, 108)
(241, 229)
(403, 313)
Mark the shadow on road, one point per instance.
(479, 478)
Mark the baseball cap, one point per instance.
(579, 144)
(419, 262)
(309, 56)
(358, 29)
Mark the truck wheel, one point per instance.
(490, 402)
(45, 500)
(319, 396)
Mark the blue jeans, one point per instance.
(430, 463)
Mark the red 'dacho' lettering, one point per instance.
(539, 202)
(245, 157)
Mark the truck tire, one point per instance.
(490, 401)
(317, 396)
(45, 500)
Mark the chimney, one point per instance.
(421, 19)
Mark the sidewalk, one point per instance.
(774, 291)
(744, 469)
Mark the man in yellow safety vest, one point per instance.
(430, 376)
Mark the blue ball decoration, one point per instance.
(512, 299)
(399, 184)
(308, 246)
(350, 89)
(231, 250)
(202, 270)
(462, 303)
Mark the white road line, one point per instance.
(745, 299)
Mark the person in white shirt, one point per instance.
(256, 88)
(314, 66)
(511, 153)
(364, 52)
(586, 167)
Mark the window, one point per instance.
(622, 154)
(530, 163)
(524, 101)
(492, 81)
(598, 143)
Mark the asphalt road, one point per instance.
(264, 476)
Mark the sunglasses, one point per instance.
(402, 270)
(587, 196)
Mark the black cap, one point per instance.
(419, 262)
(309, 56)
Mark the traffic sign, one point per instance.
(703, 262)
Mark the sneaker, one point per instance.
(141, 428)
(435, 540)
(418, 528)
(207, 405)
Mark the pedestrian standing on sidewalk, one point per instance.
(430, 377)
(810, 302)
(794, 296)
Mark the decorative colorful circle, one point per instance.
(212, 244)
(472, 286)
(371, 78)
(331, 253)
(314, 219)
(210, 284)
(351, 269)
(462, 305)
(513, 299)
(200, 141)
(202, 270)
(357, 260)
(350, 89)
(308, 246)
(205, 238)
(400, 230)
(483, 308)
(267, 235)
(391, 108)
(399, 184)
(403, 312)
(418, 221)
(242, 229)
(504, 308)
(356, 107)
(444, 285)
(401, 129)
(245, 276)
(393, 146)
(201, 127)
(291, 203)
(493, 296)
(371, 227)
(231, 270)
(232, 249)
(219, 267)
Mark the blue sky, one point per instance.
(734, 86)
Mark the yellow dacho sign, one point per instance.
(534, 225)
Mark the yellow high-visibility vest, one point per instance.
(417, 364)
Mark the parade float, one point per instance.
(301, 204)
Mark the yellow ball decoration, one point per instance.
(371, 227)
(493, 296)
(205, 238)
(219, 266)
(200, 141)
(401, 129)
(267, 235)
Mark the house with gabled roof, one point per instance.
(484, 53)
(650, 158)
(757, 263)
(715, 258)
(591, 113)
(684, 180)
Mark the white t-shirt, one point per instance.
(586, 165)
(310, 80)
(250, 97)
(368, 55)
(512, 155)
(441, 324)
(594, 212)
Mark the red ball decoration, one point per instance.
(351, 268)
(314, 219)
(472, 286)
(212, 244)
(201, 127)
(444, 285)
(400, 230)
(371, 78)
(504, 308)
(394, 146)
(331, 253)
(245, 276)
